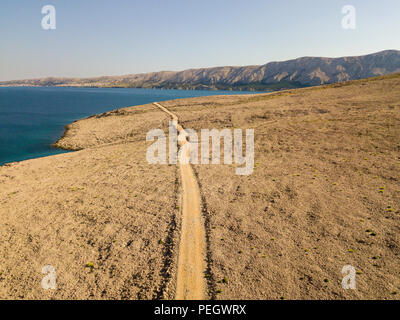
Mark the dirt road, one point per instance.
(191, 284)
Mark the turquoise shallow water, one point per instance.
(32, 118)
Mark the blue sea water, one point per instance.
(32, 118)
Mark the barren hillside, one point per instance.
(325, 193)
(301, 72)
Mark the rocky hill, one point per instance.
(301, 72)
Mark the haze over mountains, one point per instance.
(301, 72)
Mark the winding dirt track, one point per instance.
(191, 284)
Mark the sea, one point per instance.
(32, 118)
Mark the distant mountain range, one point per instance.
(301, 72)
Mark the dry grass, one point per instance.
(97, 216)
(327, 170)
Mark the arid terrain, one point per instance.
(295, 73)
(325, 193)
(101, 216)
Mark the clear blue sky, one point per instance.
(104, 37)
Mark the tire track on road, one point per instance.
(191, 283)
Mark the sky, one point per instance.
(103, 37)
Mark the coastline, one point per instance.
(68, 133)
(59, 143)
(62, 142)
(47, 134)
(155, 87)
(81, 208)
